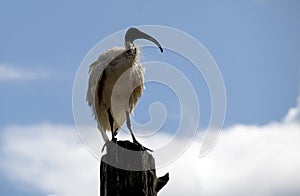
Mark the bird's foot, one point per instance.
(103, 147)
(106, 143)
(114, 140)
(143, 148)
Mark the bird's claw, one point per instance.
(103, 147)
(143, 148)
(106, 143)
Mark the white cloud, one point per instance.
(293, 113)
(10, 73)
(247, 160)
(50, 158)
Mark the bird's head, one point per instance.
(133, 34)
(131, 53)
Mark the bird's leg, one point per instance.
(128, 123)
(111, 122)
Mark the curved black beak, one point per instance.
(133, 34)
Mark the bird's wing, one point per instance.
(96, 71)
(138, 80)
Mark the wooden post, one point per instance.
(127, 170)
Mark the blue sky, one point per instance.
(256, 45)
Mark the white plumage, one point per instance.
(116, 82)
(131, 72)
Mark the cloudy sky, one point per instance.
(256, 45)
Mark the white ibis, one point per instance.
(104, 74)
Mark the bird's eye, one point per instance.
(130, 54)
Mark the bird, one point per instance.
(116, 83)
